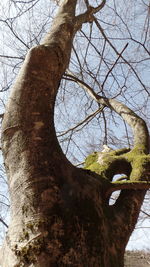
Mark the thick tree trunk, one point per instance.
(60, 215)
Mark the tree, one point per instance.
(60, 214)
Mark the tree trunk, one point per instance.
(60, 215)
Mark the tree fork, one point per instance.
(58, 214)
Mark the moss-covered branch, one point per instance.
(107, 164)
(135, 166)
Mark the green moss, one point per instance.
(91, 159)
(140, 149)
(92, 164)
(134, 162)
(140, 163)
(139, 167)
(106, 169)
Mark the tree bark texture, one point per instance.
(60, 215)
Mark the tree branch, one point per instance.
(110, 70)
(86, 120)
(138, 125)
(120, 185)
(88, 15)
(2, 221)
(124, 59)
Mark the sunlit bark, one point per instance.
(60, 215)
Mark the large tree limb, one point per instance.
(122, 185)
(136, 162)
(138, 125)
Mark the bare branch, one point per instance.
(110, 70)
(138, 125)
(126, 61)
(2, 221)
(88, 15)
(86, 120)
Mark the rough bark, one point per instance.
(60, 215)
